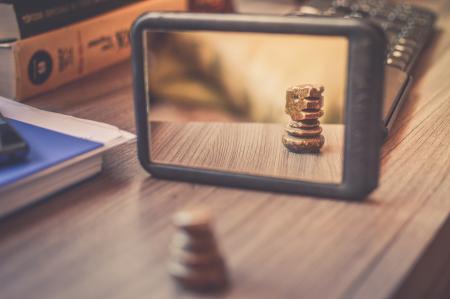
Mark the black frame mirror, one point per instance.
(363, 109)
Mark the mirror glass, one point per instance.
(264, 104)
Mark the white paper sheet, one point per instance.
(82, 128)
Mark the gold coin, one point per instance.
(306, 115)
(199, 279)
(305, 91)
(315, 104)
(303, 145)
(310, 132)
(194, 221)
(305, 124)
(195, 259)
(193, 242)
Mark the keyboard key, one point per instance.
(396, 63)
(404, 49)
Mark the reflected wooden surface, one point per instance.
(108, 237)
(248, 148)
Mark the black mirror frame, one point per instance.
(363, 109)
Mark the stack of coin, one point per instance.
(304, 105)
(195, 260)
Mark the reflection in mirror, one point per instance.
(240, 102)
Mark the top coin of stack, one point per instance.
(195, 260)
(194, 221)
(304, 105)
(304, 102)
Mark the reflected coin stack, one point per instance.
(195, 260)
(304, 105)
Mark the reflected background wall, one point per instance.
(244, 75)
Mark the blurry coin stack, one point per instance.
(195, 260)
(304, 105)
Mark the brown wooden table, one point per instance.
(108, 237)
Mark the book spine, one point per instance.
(49, 60)
(35, 17)
(220, 6)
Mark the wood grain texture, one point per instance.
(247, 148)
(108, 237)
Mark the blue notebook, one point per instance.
(47, 148)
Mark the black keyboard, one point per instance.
(408, 29)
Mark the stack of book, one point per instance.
(46, 43)
(63, 151)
